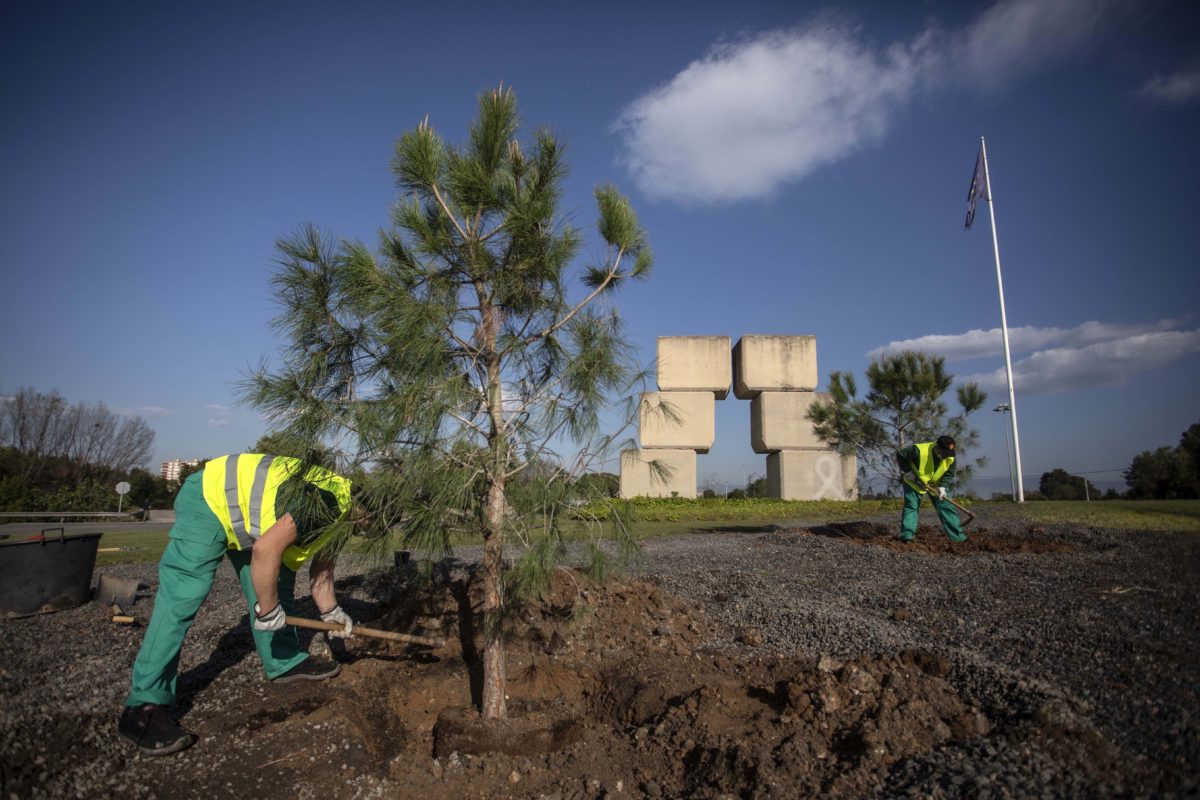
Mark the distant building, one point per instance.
(171, 470)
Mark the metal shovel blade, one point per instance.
(111, 590)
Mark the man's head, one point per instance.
(944, 447)
(312, 509)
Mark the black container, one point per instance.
(46, 573)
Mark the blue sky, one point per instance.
(800, 169)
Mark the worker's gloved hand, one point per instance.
(339, 617)
(273, 620)
(941, 493)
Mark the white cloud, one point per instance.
(1109, 363)
(217, 423)
(216, 408)
(756, 113)
(1182, 87)
(977, 343)
(1014, 36)
(766, 110)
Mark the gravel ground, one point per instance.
(1082, 657)
(1103, 640)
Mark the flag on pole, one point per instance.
(977, 189)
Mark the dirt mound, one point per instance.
(610, 694)
(930, 539)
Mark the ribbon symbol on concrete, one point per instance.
(828, 471)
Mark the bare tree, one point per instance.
(44, 426)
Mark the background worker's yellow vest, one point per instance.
(241, 490)
(925, 469)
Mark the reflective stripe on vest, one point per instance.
(246, 536)
(925, 468)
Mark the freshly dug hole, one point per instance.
(613, 680)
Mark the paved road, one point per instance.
(15, 530)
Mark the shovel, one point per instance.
(933, 496)
(970, 516)
(114, 591)
(321, 625)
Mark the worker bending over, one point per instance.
(928, 468)
(269, 515)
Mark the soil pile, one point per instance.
(930, 539)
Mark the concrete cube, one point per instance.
(677, 420)
(778, 421)
(695, 364)
(812, 475)
(774, 364)
(640, 479)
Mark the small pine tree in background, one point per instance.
(903, 406)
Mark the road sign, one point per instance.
(122, 490)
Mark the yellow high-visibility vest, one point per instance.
(241, 490)
(926, 471)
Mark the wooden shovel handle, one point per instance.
(969, 513)
(320, 625)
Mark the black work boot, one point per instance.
(310, 669)
(149, 727)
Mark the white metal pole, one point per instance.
(1016, 479)
(1012, 481)
(1012, 400)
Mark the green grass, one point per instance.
(674, 509)
(1142, 515)
(674, 516)
(143, 547)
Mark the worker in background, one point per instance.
(269, 515)
(928, 468)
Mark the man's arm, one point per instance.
(948, 480)
(266, 559)
(320, 573)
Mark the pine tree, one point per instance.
(448, 366)
(903, 406)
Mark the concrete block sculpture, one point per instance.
(677, 420)
(658, 473)
(778, 421)
(812, 475)
(774, 364)
(694, 364)
(778, 374)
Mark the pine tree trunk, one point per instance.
(495, 672)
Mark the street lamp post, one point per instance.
(1004, 408)
(1087, 495)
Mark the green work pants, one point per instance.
(946, 512)
(185, 575)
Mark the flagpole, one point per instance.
(1012, 400)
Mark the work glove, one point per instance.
(941, 493)
(339, 617)
(273, 620)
